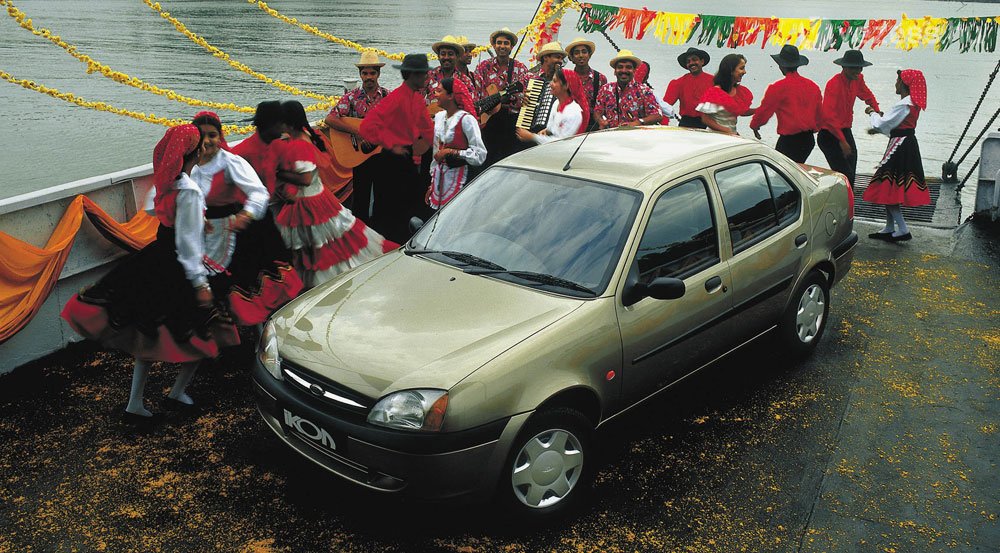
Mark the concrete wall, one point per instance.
(32, 218)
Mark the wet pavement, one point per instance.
(886, 440)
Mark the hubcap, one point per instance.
(809, 317)
(547, 468)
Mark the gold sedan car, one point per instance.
(565, 285)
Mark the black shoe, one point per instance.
(881, 236)
(901, 238)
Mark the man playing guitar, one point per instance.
(357, 103)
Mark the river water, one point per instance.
(46, 141)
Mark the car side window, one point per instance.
(786, 196)
(680, 238)
(757, 200)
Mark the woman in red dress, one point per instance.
(728, 99)
(167, 302)
(899, 177)
(260, 275)
(325, 238)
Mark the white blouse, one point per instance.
(189, 229)
(892, 118)
(444, 132)
(239, 172)
(562, 123)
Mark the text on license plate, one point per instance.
(309, 430)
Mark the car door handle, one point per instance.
(801, 240)
(713, 284)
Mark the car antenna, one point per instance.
(570, 160)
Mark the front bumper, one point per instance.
(425, 465)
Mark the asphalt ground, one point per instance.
(886, 440)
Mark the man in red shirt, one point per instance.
(835, 138)
(400, 124)
(689, 88)
(798, 104)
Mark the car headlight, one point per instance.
(267, 350)
(411, 410)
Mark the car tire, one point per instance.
(805, 320)
(550, 466)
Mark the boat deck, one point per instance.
(885, 440)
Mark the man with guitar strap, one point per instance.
(356, 104)
(500, 72)
(580, 51)
(465, 60)
(449, 51)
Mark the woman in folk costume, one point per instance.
(260, 277)
(570, 113)
(457, 142)
(728, 99)
(325, 238)
(164, 303)
(899, 177)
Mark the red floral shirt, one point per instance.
(587, 83)
(357, 103)
(621, 106)
(490, 72)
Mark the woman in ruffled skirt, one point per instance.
(325, 238)
(165, 303)
(899, 178)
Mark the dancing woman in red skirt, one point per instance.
(164, 303)
(899, 177)
(324, 236)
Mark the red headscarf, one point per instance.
(463, 97)
(168, 161)
(576, 93)
(914, 79)
(218, 122)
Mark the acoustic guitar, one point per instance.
(348, 148)
(487, 105)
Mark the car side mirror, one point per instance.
(416, 223)
(662, 288)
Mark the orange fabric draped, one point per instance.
(336, 178)
(28, 273)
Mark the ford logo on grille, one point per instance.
(316, 390)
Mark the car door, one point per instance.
(663, 340)
(768, 238)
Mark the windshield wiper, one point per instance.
(466, 258)
(541, 278)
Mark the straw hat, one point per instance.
(369, 59)
(448, 42)
(625, 55)
(504, 32)
(579, 41)
(550, 48)
(464, 41)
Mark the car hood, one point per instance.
(406, 322)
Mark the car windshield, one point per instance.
(548, 231)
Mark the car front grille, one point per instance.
(315, 388)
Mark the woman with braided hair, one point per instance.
(570, 112)
(457, 142)
(325, 238)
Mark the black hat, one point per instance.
(789, 57)
(852, 58)
(682, 59)
(416, 63)
(267, 114)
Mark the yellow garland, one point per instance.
(919, 32)
(200, 41)
(534, 28)
(101, 106)
(673, 28)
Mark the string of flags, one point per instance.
(967, 34)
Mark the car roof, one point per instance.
(628, 156)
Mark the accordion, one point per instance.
(538, 100)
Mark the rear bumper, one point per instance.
(428, 466)
(843, 256)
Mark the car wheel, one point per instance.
(805, 320)
(550, 464)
